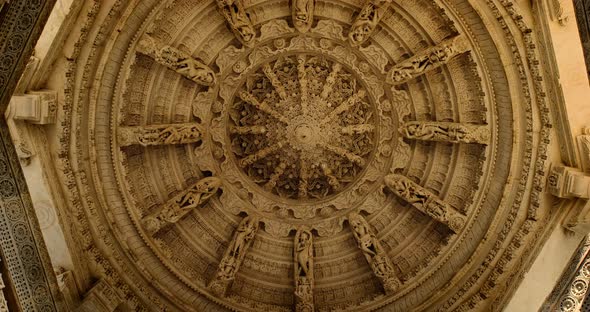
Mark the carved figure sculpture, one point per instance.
(161, 134)
(425, 201)
(182, 204)
(364, 25)
(373, 252)
(430, 59)
(238, 19)
(446, 132)
(302, 14)
(304, 279)
(179, 61)
(234, 255)
(584, 146)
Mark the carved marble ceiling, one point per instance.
(304, 155)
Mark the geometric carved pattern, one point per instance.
(425, 201)
(294, 138)
(21, 241)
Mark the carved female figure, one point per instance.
(363, 236)
(303, 253)
(244, 233)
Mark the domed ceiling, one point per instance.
(302, 155)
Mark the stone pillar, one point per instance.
(26, 258)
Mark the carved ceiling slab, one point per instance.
(299, 155)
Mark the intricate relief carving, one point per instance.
(425, 201)
(182, 204)
(3, 303)
(584, 147)
(302, 127)
(238, 20)
(446, 132)
(161, 134)
(428, 60)
(234, 255)
(304, 278)
(365, 23)
(179, 61)
(302, 14)
(373, 252)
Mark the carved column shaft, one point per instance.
(425, 201)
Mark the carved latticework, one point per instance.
(327, 120)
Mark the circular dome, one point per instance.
(303, 127)
(308, 155)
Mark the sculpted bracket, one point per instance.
(161, 134)
(179, 206)
(425, 201)
(238, 20)
(177, 60)
(365, 23)
(446, 132)
(428, 60)
(234, 256)
(373, 251)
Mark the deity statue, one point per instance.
(365, 23)
(182, 204)
(179, 61)
(304, 279)
(234, 255)
(303, 11)
(238, 19)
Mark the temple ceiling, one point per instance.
(306, 155)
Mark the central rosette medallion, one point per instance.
(302, 126)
